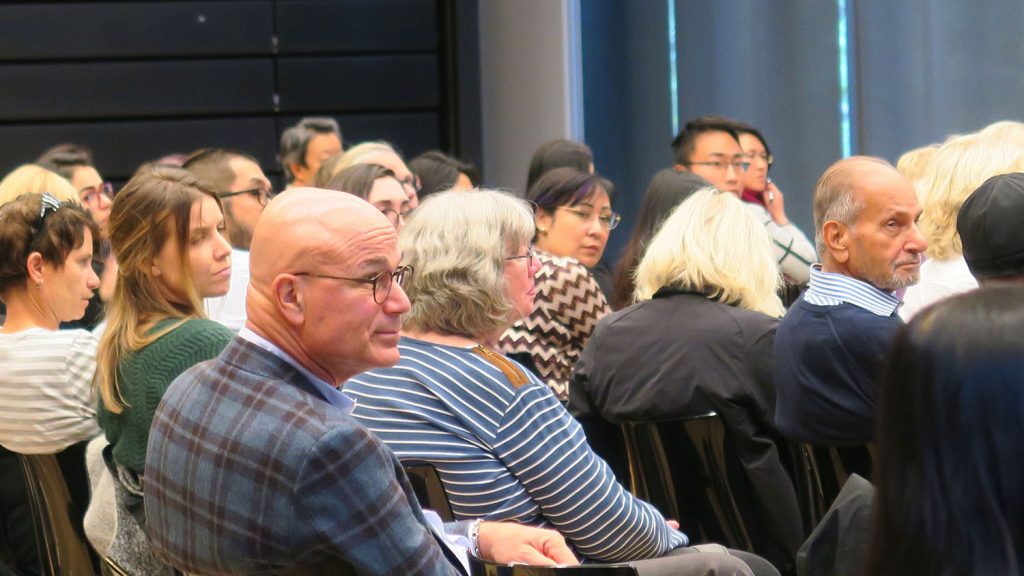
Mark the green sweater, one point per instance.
(144, 376)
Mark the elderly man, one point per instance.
(831, 345)
(255, 464)
(989, 228)
(244, 190)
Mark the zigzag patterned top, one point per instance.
(567, 307)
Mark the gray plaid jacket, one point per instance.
(249, 470)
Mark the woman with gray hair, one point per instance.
(700, 340)
(504, 446)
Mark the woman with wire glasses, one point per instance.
(793, 251)
(46, 403)
(573, 216)
(378, 186)
(166, 228)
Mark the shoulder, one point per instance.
(200, 334)
(564, 269)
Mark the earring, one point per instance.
(541, 230)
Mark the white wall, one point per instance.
(529, 71)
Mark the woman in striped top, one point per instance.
(45, 279)
(504, 446)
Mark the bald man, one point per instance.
(255, 464)
(831, 345)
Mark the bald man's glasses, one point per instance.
(381, 283)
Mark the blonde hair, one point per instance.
(155, 207)
(913, 164)
(959, 167)
(1006, 131)
(34, 179)
(711, 243)
(457, 244)
(347, 159)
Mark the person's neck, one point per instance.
(288, 342)
(449, 339)
(24, 312)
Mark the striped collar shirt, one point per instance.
(832, 289)
(332, 395)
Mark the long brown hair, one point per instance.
(154, 208)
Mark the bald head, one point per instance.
(865, 218)
(311, 251)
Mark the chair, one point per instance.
(480, 567)
(695, 463)
(426, 483)
(62, 548)
(834, 464)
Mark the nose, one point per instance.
(222, 248)
(397, 302)
(92, 281)
(917, 242)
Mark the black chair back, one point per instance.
(685, 469)
(835, 464)
(63, 550)
(426, 483)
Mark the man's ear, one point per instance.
(836, 236)
(289, 299)
(300, 171)
(680, 168)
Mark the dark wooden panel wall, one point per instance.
(134, 81)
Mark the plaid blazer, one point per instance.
(249, 470)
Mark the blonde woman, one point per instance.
(699, 340)
(33, 179)
(167, 230)
(371, 153)
(959, 167)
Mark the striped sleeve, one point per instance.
(547, 452)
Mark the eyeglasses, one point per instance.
(262, 195)
(766, 157)
(737, 165)
(608, 221)
(413, 182)
(394, 215)
(49, 205)
(531, 253)
(381, 282)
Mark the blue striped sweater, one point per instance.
(505, 453)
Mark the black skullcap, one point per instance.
(991, 227)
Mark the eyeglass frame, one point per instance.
(397, 275)
(263, 195)
(105, 188)
(403, 214)
(531, 255)
(412, 181)
(723, 165)
(768, 158)
(614, 218)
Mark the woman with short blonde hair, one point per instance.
(708, 245)
(959, 167)
(700, 339)
(34, 179)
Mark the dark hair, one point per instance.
(62, 231)
(438, 171)
(558, 154)
(295, 140)
(566, 187)
(744, 128)
(64, 159)
(950, 454)
(212, 165)
(667, 190)
(686, 140)
(358, 180)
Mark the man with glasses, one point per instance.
(255, 464)
(244, 192)
(710, 148)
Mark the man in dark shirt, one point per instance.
(831, 345)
